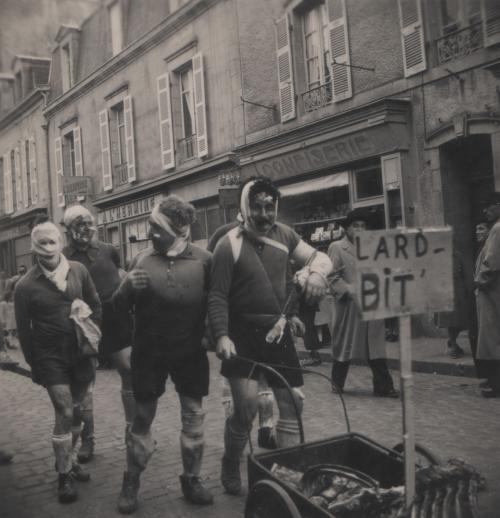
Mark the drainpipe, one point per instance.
(45, 127)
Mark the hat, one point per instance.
(493, 198)
(360, 214)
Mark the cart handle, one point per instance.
(271, 368)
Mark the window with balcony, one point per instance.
(68, 154)
(118, 144)
(187, 144)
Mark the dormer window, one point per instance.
(67, 78)
(115, 19)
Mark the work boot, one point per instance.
(66, 492)
(79, 474)
(193, 490)
(230, 475)
(86, 451)
(127, 501)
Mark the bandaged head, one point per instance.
(46, 241)
(170, 225)
(80, 225)
(259, 205)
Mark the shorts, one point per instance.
(117, 329)
(250, 343)
(59, 364)
(190, 374)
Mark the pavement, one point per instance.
(451, 419)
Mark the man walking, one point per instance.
(352, 337)
(247, 310)
(167, 287)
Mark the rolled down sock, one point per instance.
(287, 433)
(265, 404)
(63, 447)
(192, 442)
(139, 450)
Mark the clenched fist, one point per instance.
(138, 279)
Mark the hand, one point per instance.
(138, 279)
(225, 348)
(314, 288)
(297, 327)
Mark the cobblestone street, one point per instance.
(451, 420)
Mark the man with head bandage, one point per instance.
(167, 289)
(43, 300)
(102, 260)
(248, 309)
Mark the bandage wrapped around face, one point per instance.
(40, 235)
(180, 234)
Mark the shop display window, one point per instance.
(135, 237)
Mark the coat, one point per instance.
(352, 337)
(487, 280)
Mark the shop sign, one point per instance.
(128, 210)
(77, 185)
(404, 271)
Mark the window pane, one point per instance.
(369, 183)
(450, 12)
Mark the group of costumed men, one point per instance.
(245, 289)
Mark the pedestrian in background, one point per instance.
(8, 308)
(352, 337)
(44, 298)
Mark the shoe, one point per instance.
(79, 474)
(66, 491)
(454, 350)
(312, 361)
(127, 501)
(266, 438)
(194, 492)
(86, 451)
(392, 393)
(490, 393)
(484, 384)
(5, 457)
(230, 476)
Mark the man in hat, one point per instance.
(102, 260)
(487, 282)
(248, 304)
(167, 287)
(354, 338)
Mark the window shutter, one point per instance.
(412, 36)
(77, 141)
(491, 21)
(59, 172)
(285, 74)
(24, 174)
(165, 114)
(107, 177)
(7, 184)
(129, 137)
(339, 50)
(19, 180)
(33, 172)
(200, 105)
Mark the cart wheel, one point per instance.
(267, 499)
(424, 456)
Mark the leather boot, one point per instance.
(66, 491)
(193, 490)
(127, 501)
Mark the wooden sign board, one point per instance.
(77, 185)
(404, 271)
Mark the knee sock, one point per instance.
(128, 401)
(63, 446)
(265, 404)
(139, 451)
(234, 440)
(287, 433)
(192, 442)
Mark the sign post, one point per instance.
(401, 272)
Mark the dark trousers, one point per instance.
(382, 380)
(307, 314)
(491, 370)
(480, 365)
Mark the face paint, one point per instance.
(82, 231)
(161, 239)
(263, 212)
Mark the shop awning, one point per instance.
(315, 184)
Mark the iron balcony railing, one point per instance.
(120, 174)
(186, 148)
(460, 43)
(317, 97)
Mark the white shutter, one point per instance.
(107, 177)
(339, 50)
(59, 171)
(285, 73)
(412, 36)
(490, 11)
(7, 184)
(24, 174)
(200, 105)
(19, 179)
(165, 115)
(77, 142)
(129, 137)
(33, 172)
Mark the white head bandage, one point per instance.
(74, 212)
(181, 237)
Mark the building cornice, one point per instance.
(20, 109)
(132, 52)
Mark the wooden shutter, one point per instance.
(129, 137)
(200, 106)
(77, 142)
(59, 172)
(107, 177)
(19, 179)
(412, 36)
(285, 73)
(24, 173)
(33, 172)
(7, 184)
(339, 50)
(490, 13)
(165, 115)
